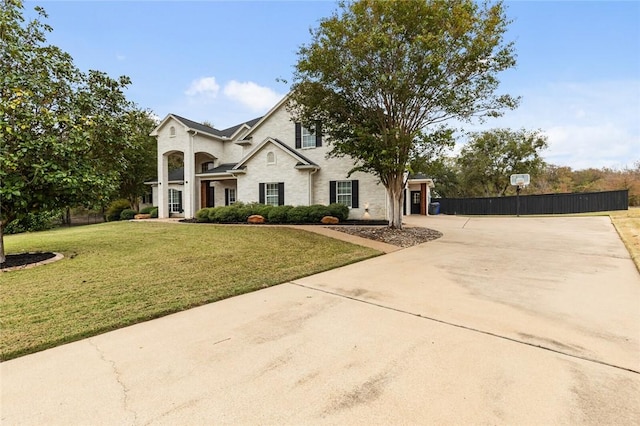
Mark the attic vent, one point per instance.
(172, 132)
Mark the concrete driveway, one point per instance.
(501, 321)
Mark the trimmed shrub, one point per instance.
(278, 214)
(259, 209)
(317, 212)
(298, 214)
(230, 214)
(127, 214)
(202, 215)
(213, 214)
(339, 210)
(148, 210)
(154, 213)
(115, 209)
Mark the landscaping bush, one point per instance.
(154, 213)
(213, 214)
(127, 214)
(257, 208)
(278, 214)
(32, 222)
(298, 214)
(339, 210)
(317, 212)
(115, 209)
(202, 215)
(230, 214)
(147, 210)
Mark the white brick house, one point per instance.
(270, 160)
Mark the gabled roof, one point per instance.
(234, 129)
(194, 125)
(302, 160)
(202, 128)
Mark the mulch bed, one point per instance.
(23, 259)
(405, 237)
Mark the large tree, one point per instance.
(385, 77)
(140, 157)
(60, 141)
(490, 157)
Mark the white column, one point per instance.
(190, 190)
(163, 186)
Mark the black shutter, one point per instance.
(354, 194)
(298, 135)
(281, 193)
(332, 192)
(318, 134)
(180, 201)
(261, 193)
(226, 196)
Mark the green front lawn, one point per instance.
(121, 273)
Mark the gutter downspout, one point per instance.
(311, 173)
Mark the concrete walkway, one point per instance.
(501, 321)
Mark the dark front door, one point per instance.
(416, 198)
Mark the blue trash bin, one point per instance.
(434, 208)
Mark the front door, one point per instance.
(416, 197)
(207, 194)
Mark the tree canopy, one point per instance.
(63, 133)
(491, 157)
(385, 77)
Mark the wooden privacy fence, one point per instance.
(537, 204)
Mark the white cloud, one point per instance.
(255, 97)
(205, 86)
(588, 124)
(120, 57)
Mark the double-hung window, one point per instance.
(271, 194)
(308, 138)
(344, 192)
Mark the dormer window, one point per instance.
(172, 132)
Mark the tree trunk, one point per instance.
(395, 192)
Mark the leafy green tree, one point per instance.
(60, 144)
(140, 157)
(385, 77)
(490, 157)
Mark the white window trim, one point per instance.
(307, 135)
(269, 197)
(174, 200)
(344, 193)
(232, 196)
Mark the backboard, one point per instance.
(520, 179)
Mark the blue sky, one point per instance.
(578, 66)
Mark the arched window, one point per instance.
(172, 132)
(271, 157)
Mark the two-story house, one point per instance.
(271, 160)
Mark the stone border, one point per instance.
(58, 256)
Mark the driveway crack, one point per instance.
(117, 374)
